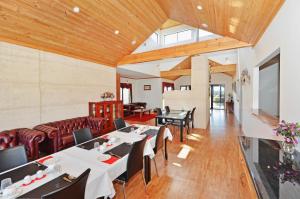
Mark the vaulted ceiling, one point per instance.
(244, 20)
(52, 25)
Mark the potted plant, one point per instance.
(290, 132)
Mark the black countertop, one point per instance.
(275, 174)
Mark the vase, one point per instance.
(288, 147)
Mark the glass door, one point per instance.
(217, 97)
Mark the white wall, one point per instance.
(153, 97)
(38, 87)
(223, 79)
(182, 81)
(269, 89)
(282, 34)
(197, 97)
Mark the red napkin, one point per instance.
(111, 160)
(104, 136)
(149, 137)
(41, 161)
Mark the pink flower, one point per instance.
(288, 140)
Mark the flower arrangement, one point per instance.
(107, 95)
(290, 132)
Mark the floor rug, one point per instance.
(145, 117)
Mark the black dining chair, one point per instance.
(191, 119)
(119, 123)
(159, 144)
(82, 135)
(167, 109)
(135, 163)
(12, 157)
(75, 190)
(160, 121)
(185, 123)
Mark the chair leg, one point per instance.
(145, 184)
(155, 166)
(123, 187)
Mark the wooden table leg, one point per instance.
(147, 169)
(181, 131)
(166, 149)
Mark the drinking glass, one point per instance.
(96, 145)
(5, 183)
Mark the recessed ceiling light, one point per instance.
(133, 42)
(76, 9)
(204, 25)
(117, 32)
(199, 7)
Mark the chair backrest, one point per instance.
(159, 112)
(167, 109)
(193, 112)
(187, 118)
(135, 161)
(82, 135)
(119, 123)
(12, 157)
(75, 190)
(159, 142)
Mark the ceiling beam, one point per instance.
(223, 68)
(212, 45)
(171, 73)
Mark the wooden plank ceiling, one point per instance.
(244, 20)
(51, 25)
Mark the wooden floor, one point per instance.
(209, 171)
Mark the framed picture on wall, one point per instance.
(147, 87)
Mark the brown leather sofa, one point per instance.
(128, 108)
(31, 139)
(59, 134)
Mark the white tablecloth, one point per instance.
(75, 161)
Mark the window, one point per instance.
(154, 37)
(184, 35)
(203, 33)
(171, 39)
(166, 86)
(185, 87)
(126, 93)
(178, 37)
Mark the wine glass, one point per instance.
(5, 183)
(96, 145)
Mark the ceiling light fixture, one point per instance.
(133, 42)
(117, 32)
(76, 9)
(199, 7)
(204, 25)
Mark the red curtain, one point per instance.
(166, 85)
(128, 86)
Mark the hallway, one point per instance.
(206, 164)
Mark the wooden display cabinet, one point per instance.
(110, 110)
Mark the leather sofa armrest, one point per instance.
(31, 135)
(31, 140)
(51, 132)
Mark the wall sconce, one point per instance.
(245, 77)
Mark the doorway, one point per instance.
(217, 96)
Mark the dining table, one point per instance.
(107, 160)
(173, 115)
